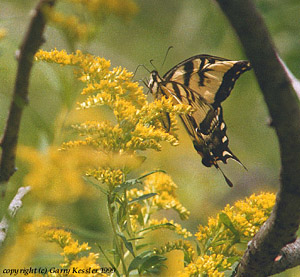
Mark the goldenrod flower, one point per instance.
(169, 224)
(182, 245)
(70, 24)
(111, 177)
(56, 176)
(235, 224)
(21, 250)
(163, 185)
(211, 266)
(47, 228)
(88, 265)
(3, 33)
(123, 8)
(136, 125)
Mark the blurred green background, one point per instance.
(192, 27)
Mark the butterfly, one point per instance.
(203, 82)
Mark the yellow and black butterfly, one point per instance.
(202, 81)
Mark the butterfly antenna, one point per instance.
(229, 183)
(166, 55)
(151, 61)
(140, 65)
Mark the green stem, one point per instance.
(129, 229)
(118, 245)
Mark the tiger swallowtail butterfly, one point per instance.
(202, 81)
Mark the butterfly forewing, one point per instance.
(182, 95)
(211, 77)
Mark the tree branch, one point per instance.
(294, 81)
(283, 105)
(289, 257)
(13, 207)
(31, 43)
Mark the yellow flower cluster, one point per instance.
(76, 27)
(56, 176)
(20, 250)
(166, 198)
(249, 214)
(205, 265)
(182, 245)
(48, 230)
(72, 250)
(111, 177)
(90, 66)
(177, 227)
(70, 24)
(123, 8)
(88, 263)
(235, 224)
(164, 186)
(3, 33)
(137, 125)
(245, 218)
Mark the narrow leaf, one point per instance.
(143, 197)
(152, 262)
(167, 225)
(138, 260)
(97, 186)
(150, 173)
(117, 258)
(128, 244)
(126, 185)
(227, 222)
(109, 261)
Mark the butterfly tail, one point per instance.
(230, 155)
(229, 183)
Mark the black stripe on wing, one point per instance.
(210, 77)
(229, 80)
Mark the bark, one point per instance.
(283, 105)
(25, 55)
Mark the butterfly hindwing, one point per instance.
(205, 126)
(213, 132)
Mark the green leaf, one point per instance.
(153, 262)
(138, 260)
(232, 272)
(117, 258)
(167, 225)
(132, 182)
(128, 244)
(141, 246)
(121, 216)
(233, 259)
(227, 222)
(150, 173)
(143, 197)
(198, 250)
(97, 186)
(136, 238)
(220, 242)
(125, 185)
(109, 261)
